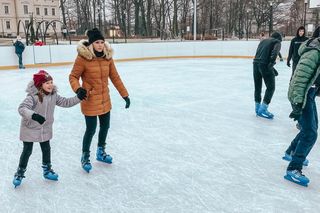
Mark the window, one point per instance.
(54, 25)
(26, 22)
(37, 10)
(25, 9)
(47, 23)
(53, 11)
(8, 25)
(6, 9)
(45, 11)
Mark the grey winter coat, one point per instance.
(32, 131)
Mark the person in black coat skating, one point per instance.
(294, 47)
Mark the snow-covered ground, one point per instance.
(190, 142)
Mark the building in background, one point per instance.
(42, 11)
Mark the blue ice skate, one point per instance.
(288, 157)
(257, 106)
(18, 176)
(85, 161)
(297, 177)
(48, 173)
(264, 113)
(103, 156)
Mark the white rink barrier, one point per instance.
(62, 54)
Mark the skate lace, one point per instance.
(298, 172)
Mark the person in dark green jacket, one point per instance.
(304, 87)
(263, 69)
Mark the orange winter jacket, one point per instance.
(94, 73)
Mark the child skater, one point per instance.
(37, 119)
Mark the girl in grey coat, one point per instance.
(37, 118)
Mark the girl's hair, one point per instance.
(40, 94)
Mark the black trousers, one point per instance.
(91, 125)
(27, 151)
(261, 72)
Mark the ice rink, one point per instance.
(190, 142)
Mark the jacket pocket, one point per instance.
(31, 124)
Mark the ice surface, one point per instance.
(190, 142)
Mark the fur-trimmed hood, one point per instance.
(32, 89)
(86, 50)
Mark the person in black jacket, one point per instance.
(294, 47)
(263, 63)
(19, 48)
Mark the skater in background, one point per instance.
(37, 119)
(19, 48)
(293, 52)
(94, 66)
(294, 47)
(304, 87)
(263, 69)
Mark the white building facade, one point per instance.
(14, 11)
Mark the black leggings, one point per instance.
(261, 71)
(27, 151)
(91, 123)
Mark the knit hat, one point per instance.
(40, 78)
(277, 36)
(94, 35)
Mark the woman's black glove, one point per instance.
(39, 118)
(127, 99)
(81, 93)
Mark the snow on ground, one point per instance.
(190, 142)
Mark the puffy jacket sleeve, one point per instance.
(67, 102)
(303, 75)
(116, 80)
(26, 107)
(76, 73)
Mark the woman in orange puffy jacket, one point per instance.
(94, 65)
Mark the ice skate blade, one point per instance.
(103, 161)
(288, 177)
(263, 116)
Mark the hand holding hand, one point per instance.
(81, 93)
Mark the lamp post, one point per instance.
(271, 18)
(305, 12)
(195, 20)
(247, 29)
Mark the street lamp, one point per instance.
(195, 20)
(271, 18)
(305, 12)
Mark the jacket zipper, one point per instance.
(101, 83)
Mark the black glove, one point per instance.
(296, 111)
(39, 118)
(275, 71)
(127, 99)
(81, 93)
(288, 64)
